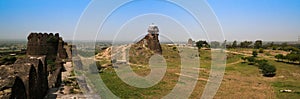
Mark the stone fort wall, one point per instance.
(30, 77)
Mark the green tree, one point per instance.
(201, 44)
(274, 48)
(254, 53)
(261, 63)
(245, 44)
(174, 48)
(279, 57)
(234, 44)
(268, 70)
(292, 57)
(258, 44)
(244, 58)
(251, 60)
(223, 45)
(261, 50)
(271, 44)
(284, 44)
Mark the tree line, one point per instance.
(292, 57)
(258, 44)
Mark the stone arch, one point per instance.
(18, 90)
(42, 78)
(32, 83)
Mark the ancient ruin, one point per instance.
(151, 39)
(31, 76)
(146, 47)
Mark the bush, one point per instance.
(261, 50)
(279, 57)
(261, 63)
(99, 67)
(251, 60)
(254, 53)
(268, 70)
(7, 60)
(244, 58)
(51, 64)
(174, 48)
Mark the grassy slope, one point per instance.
(287, 77)
(121, 89)
(240, 80)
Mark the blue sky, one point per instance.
(270, 20)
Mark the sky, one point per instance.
(268, 20)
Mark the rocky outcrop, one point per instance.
(31, 77)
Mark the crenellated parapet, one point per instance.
(43, 44)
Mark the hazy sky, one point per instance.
(271, 20)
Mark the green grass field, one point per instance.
(240, 79)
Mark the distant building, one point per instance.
(153, 29)
(190, 42)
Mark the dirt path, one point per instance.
(239, 61)
(263, 56)
(68, 66)
(202, 79)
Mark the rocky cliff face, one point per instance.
(32, 76)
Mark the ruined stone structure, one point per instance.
(190, 42)
(151, 39)
(141, 52)
(31, 77)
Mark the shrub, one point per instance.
(51, 64)
(254, 53)
(261, 63)
(174, 48)
(261, 50)
(279, 56)
(7, 60)
(244, 58)
(251, 60)
(268, 70)
(99, 66)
